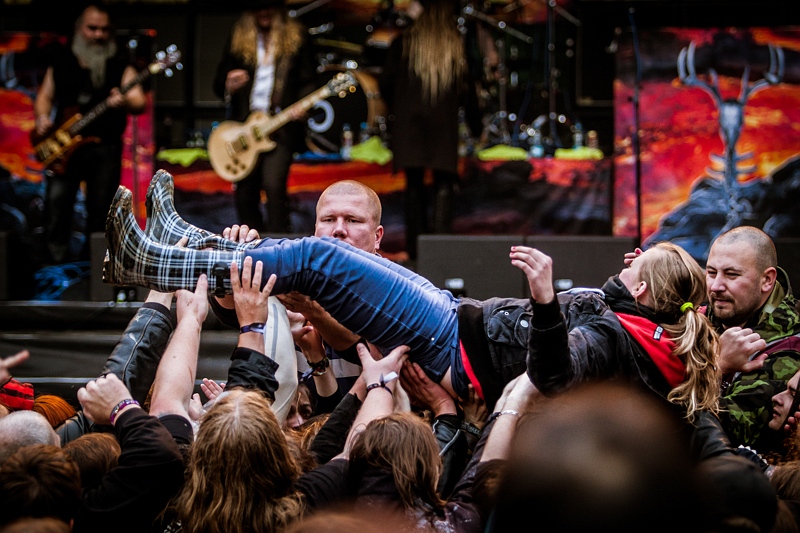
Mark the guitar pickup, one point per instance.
(257, 134)
(242, 142)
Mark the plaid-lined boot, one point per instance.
(135, 259)
(165, 226)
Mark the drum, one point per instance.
(328, 117)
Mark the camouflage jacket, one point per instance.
(747, 402)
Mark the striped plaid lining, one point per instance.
(134, 259)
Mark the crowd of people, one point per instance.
(360, 395)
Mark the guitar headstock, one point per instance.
(343, 82)
(165, 60)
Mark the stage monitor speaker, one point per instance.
(582, 261)
(101, 292)
(473, 266)
(789, 259)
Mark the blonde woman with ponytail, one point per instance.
(643, 327)
(424, 81)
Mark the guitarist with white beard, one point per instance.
(266, 66)
(77, 80)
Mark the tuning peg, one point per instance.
(168, 72)
(171, 48)
(160, 54)
(178, 66)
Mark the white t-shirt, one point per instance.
(264, 81)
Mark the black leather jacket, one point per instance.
(134, 361)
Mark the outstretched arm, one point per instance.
(379, 400)
(174, 383)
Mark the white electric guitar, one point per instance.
(233, 147)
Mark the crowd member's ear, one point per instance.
(768, 278)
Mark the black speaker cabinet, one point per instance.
(582, 261)
(101, 292)
(474, 266)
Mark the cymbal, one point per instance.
(340, 45)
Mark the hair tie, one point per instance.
(687, 305)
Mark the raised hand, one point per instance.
(736, 347)
(538, 268)
(99, 397)
(249, 298)
(193, 304)
(424, 392)
(10, 362)
(240, 234)
(630, 256)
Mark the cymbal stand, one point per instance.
(502, 82)
(551, 72)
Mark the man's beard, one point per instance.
(94, 56)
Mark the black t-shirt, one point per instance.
(74, 93)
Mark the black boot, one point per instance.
(135, 259)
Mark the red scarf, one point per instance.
(655, 341)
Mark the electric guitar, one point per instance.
(55, 146)
(233, 147)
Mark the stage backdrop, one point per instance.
(718, 134)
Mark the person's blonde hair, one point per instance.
(240, 473)
(674, 278)
(435, 50)
(403, 444)
(286, 37)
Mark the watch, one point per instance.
(255, 327)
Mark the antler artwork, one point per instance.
(731, 120)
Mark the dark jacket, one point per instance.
(747, 402)
(149, 473)
(575, 338)
(134, 361)
(422, 134)
(294, 77)
(466, 510)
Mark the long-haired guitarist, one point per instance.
(267, 65)
(77, 80)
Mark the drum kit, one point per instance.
(366, 109)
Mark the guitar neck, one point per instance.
(303, 105)
(102, 107)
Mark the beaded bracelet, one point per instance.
(119, 407)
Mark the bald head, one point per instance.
(753, 241)
(24, 428)
(741, 272)
(355, 188)
(351, 212)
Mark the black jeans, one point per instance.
(98, 165)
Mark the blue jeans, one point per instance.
(373, 297)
